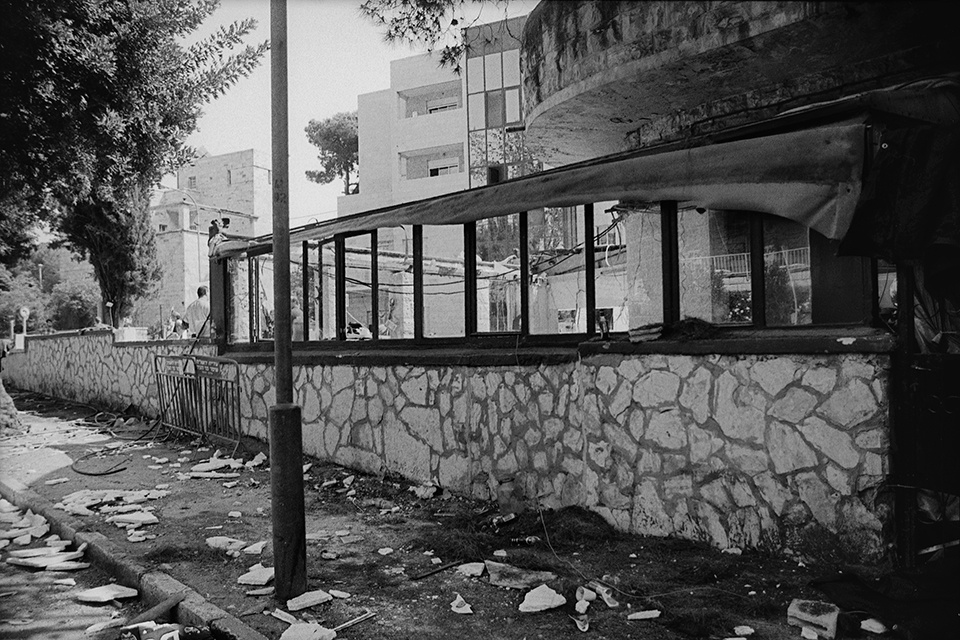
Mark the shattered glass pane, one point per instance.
(264, 317)
(238, 300)
(444, 285)
(715, 266)
(557, 294)
(498, 274)
(359, 288)
(786, 257)
(610, 252)
(395, 282)
(643, 266)
(327, 298)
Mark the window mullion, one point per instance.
(374, 286)
(758, 291)
(340, 273)
(670, 260)
(418, 282)
(524, 276)
(590, 264)
(305, 288)
(470, 277)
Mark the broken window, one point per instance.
(359, 289)
(612, 291)
(715, 272)
(444, 281)
(326, 290)
(557, 270)
(395, 282)
(498, 274)
(786, 259)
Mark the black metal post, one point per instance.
(286, 444)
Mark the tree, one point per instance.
(428, 23)
(336, 137)
(99, 98)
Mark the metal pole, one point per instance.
(286, 445)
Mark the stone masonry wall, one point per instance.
(91, 368)
(739, 451)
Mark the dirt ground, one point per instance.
(351, 519)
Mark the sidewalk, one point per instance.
(376, 543)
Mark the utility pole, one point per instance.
(286, 442)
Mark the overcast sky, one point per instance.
(334, 55)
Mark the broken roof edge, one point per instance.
(803, 165)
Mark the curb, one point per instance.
(154, 586)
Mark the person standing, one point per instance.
(197, 314)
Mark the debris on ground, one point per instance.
(820, 617)
(459, 605)
(604, 592)
(308, 599)
(504, 575)
(257, 576)
(471, 569)
(308, 631)
(107, 593)
(541, 599)
(651, 614)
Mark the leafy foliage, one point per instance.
(99, 98)
(434, 24)
(336, 138)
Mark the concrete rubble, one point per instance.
(541, 599)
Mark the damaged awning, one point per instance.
(811, 176)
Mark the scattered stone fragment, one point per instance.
(505, 575)
(385, 551)
(328, 555)
(42, 562)
(215, 463)
(644, 615)
(424, 492)
(336, 593)
(341, 532)
(211, 474)
(500, 553)
(231, 484)
(257, 576)
(256, 548)
(4, 543)
(459, 605)
(234, 514)
(106, 593)
(744, 630)
(873, 625)
(68, 566)
(23, 540)
(66, 582)
(351, 539)
(349, 480)
(137, 518)
(308, 599)
(258, 459)
(266, 591)
(734, 551)
(809, 634)
(308, 631)
(318, 535)
(283, 616)
(816, 615)
(471, 569)
(56, 481)
(582, 606)
(541, 599)
(307, 467)
(33, 553)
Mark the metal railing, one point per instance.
(199, 395)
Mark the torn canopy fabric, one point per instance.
(811, 176)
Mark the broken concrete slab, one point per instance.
(308, 599)
(68, 566)
(256, 548)
(471, 569)
(225, 543)
(106, 593)
(257, 576)
(308, 631)
(42, 562)
(460, 606)
(505, 575)
(265, 591)
(819, 616)
(138, 518)
(216, 463)
(541, 599)
(650, 614)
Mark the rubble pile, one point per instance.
(23, 529)
(125, 509)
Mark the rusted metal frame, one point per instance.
(470, 277)
(375, 285)
(590, 269)
(670, 262)
(758, 272)
(418, 283)
(524, 275)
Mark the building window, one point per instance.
(192, 182)
(443, 167)
(563, 273)
(443, 104)
(163, 227)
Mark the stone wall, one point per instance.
(91, 368)
(739, 451)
